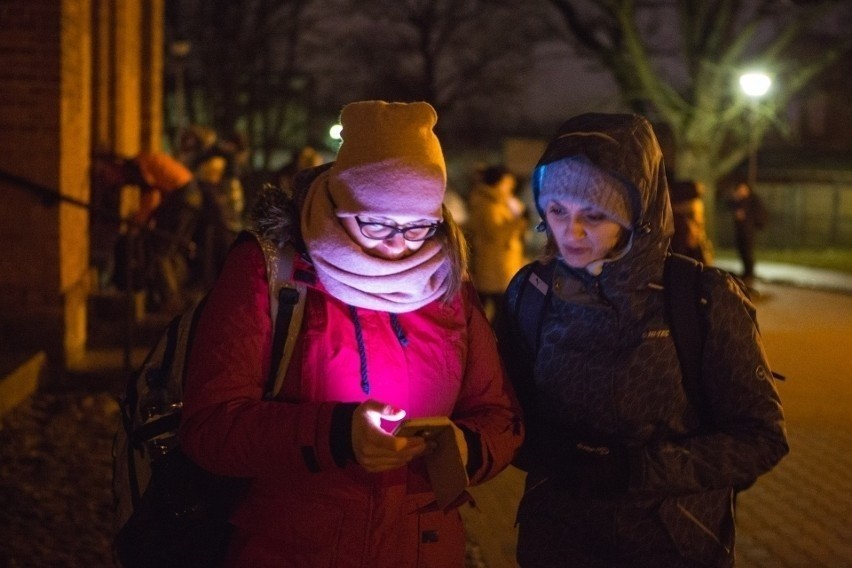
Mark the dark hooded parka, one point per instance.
(621, 470)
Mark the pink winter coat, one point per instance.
(302, 508)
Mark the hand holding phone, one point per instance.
(447, 462)
(375, 449)
(429, 428)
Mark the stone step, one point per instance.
(112, 305)
(20, 374)
(109, 318)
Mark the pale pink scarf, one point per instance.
(358, 279)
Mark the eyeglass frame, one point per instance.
(395, 230)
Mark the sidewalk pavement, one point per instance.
(793, 275)
(798, 515)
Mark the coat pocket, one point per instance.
(440, 535)
(702, 526)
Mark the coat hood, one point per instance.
(624, 146)
(275, 215)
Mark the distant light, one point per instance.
(180, 48)
(335, 131)
(755, 84)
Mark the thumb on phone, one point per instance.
(376, 411)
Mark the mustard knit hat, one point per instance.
(390, 161)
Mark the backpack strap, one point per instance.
(682, 297)
(169, 373)
(181, 344)
(287, 307)
(533, 298)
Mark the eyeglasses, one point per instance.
(381, 232)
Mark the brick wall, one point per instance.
(73, 74)
(33, 271)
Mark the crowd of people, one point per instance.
(494, 216)
(423, 303)
(168, 219)
(189, 207)
(151, 204)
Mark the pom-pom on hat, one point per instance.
(576, 178)
(390, 161)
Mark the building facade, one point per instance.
(75, 75)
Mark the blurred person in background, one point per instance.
(221, 216)
(457, 206)
(497, 224)
(690, 233)
(166, 198)
(307, 157)
(750, 216)
(194, 143)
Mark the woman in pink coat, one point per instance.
(392, 329)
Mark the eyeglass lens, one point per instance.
(380, 231)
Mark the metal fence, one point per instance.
(801, 215)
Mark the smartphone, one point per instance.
(429, 427)
(446, 469)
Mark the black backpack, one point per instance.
(168, 510)
(683, 305)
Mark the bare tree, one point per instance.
(274, 67)
(468, 58)
(678, 61)
(245, 72)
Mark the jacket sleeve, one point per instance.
(748, 435)
(226, 426)
(487, 409)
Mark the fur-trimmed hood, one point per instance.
(275, 215)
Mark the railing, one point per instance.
(801, 215)
(51, 197)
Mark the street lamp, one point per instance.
(755, 85)
(336, 135)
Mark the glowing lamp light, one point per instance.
(335, 131)
(755, 84)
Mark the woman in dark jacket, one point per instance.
(621, 469)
